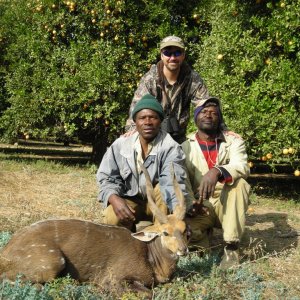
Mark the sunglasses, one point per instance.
(175, 53)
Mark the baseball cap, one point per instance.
(171, 40)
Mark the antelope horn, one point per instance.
(161, 217)
(180, 208)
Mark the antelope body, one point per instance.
(98, 253)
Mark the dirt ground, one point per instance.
(30, 192)
(28, 195)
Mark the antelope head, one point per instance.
(171, 228)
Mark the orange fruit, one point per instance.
(285, 151)
(297, 173)
(291, 150)
(269, 156)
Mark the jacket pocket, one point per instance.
(125, 171)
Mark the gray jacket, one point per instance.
(117, 173)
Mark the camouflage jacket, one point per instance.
(189, 88)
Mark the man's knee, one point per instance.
(242, 185)
(109, 216)
(200, 225)
(239, 191)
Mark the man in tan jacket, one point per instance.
(217, 166)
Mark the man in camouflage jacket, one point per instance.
(175, 84)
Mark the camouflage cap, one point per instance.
(171, 40)
(201, 103)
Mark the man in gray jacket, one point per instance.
(122, 184)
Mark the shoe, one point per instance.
(230, 258)
(199, 241)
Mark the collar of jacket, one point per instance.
(226, 141)
(220, 137)
(127, 149)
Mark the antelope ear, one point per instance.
(145, 236)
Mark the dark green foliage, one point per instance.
(69, 68)
(72, 67)
(250, 61)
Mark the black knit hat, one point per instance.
(148, 102)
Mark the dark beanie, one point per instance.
(148, 102)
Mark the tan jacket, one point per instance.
(232, 156)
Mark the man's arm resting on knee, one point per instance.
(121, 209)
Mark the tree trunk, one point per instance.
(100, 144)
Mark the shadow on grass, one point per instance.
(74, 154)
(271, 186)
(265, 234)
(269, 233)
(67, 161)
(63, 151)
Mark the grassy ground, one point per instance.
(32, 190)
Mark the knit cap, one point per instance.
(148, 102)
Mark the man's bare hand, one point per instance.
(129, 133)
(124, 212)
(208, 184)
(198, 209)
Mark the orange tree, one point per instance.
(69, 68)
(72, 66)
(250, 59)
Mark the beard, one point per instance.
(173, 67)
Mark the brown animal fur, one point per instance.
(97, 252)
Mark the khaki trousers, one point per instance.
(141, 207)
(227, 210)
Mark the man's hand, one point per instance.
(124, 213)
(197, 209)
(129, 133)
(208, 184)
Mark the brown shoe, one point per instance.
(199, 241)
(230, 258)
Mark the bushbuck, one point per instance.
(100, 253)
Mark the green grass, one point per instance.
(277, 203)
(13, 164)
(63, 288)
(4, 238)
(215, 285)
(267, 277)
(196, 278)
